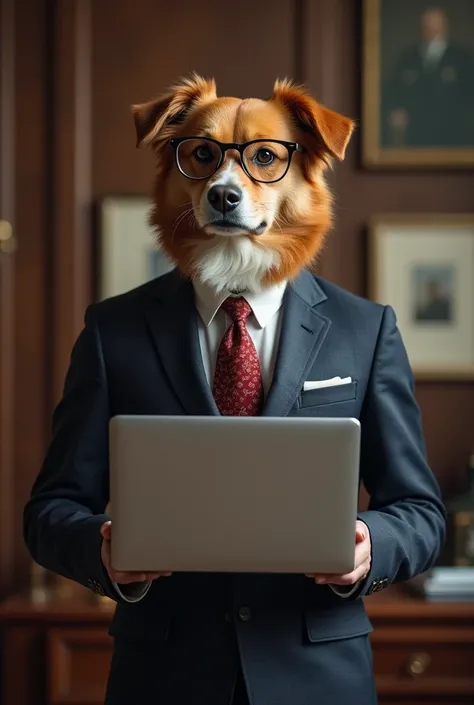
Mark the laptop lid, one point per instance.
(234, 494)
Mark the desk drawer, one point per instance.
(422, 661)
(78, 662)
(429, 700)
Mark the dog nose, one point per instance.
(224, 198)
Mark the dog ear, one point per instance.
(157, 118)
(331, 130)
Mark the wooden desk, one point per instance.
(423, 653)
(56, 653)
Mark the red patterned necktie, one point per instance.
(238, 388)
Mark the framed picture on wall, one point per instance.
(128, 250)
(423, 266)
(418, 78)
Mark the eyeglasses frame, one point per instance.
(292, 147)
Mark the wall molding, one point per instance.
(322, 28)
(7, 291)
(72, 189)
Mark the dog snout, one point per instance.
(224, 198)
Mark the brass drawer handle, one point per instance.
(418, 663)
(7, 240)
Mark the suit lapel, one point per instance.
(302, 334)
(172, 321)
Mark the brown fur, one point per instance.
(304, 214)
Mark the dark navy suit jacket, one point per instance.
(298, 643)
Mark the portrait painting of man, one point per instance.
(433, 294)
(420, 81)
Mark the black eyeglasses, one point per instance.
(262, 160)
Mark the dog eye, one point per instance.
(264, 157)
(203, 154)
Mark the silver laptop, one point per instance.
(234, 494)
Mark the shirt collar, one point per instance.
(264, 304)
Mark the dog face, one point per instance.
(240, 199)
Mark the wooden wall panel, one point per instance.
(23, 284)
(244, 49)
(324, 66)
(31, 280)
(71, 194)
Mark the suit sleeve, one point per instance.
(406, 515)
(67, 504)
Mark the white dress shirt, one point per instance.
(434, 51)
(263, 325)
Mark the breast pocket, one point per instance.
(328, 395)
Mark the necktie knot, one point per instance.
(237, 308)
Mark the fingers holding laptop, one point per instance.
(362, 561)
(117, 576)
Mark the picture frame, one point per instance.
(423, 266)
(459, 545)
(128, 252)
(464, 538)
(417, 77)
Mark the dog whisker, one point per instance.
(180, 219)
(183, 215)
(277, 222)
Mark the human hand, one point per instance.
(362, 560)
(116, 576)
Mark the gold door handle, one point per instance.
(418, 663)
(7, 239)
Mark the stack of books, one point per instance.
(446, 584)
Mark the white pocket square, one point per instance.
(320, 384)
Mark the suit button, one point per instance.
(245, 614)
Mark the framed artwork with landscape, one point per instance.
(423, 266)
(129, 253)
(418, 83)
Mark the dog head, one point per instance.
(240, 199)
